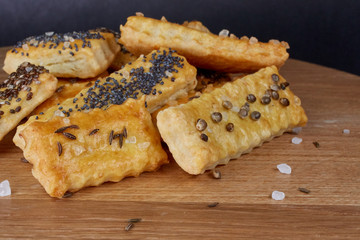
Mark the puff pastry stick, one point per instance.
(87, 149)
(21, 92)
(161, 76)
(66, 88)
(140, 35)
(227, 122)
(77, 54)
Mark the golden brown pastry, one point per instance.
(161, 76)
(90, 148)
(21, 92)
(230, 120)
(140, 35)
(77, 54)
(66, 88)
(123, 56)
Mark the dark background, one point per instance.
(326, 32)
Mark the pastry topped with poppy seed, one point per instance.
(66, 88)
(90, 148)
(141, 35)
(161, 76)
(76, 54)
(230, 121)
(21, 92)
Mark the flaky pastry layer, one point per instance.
(141, 35)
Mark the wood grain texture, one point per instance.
(173, 204)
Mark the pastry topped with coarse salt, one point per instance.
(68, 55)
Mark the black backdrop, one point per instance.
(326, 32)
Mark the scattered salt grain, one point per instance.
(49, 34)
(25, 47)
(253, 40)
(346, 131)
(143, 145)
(59, 113)
(296, 140)
(276, 195)
(235, 109)
(28, 69)
(131, 139)
(284, 168)
(168, 74)
(66, 44)
(224, 33)
(5, 189)
(274, 41)
(297, 130)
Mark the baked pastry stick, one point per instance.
(77, 54)
(140, 35)
(230, 121)
(161, 76)
(21, 92)
(66, 88)
(90, 148)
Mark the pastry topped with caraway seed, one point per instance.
(22, 92)
(236, 133)
(71, 156)
(74, 54)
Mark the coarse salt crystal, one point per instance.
(296, 140)
(276, 195)
(297, 130)
(28, 69)
(5, 189)
(224, 33)
(274, 41)
(163, 19)
(71, 39)
(66, 120)
(225, 116)
(25, 47)
(143, 145)
(125, 74)
(131, 139)
(168, 74)
(284, 168)
(346, 131)
(49, 34)
(235, 109)
(59, 113)
(66, 44)
(253, 40)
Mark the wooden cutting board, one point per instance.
(174, 204)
